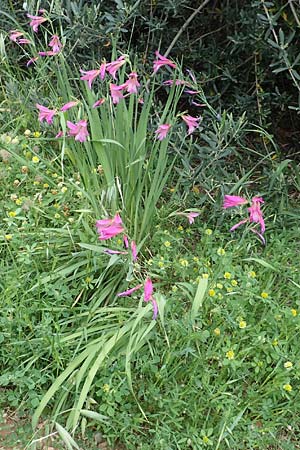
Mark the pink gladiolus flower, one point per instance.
(99, 102)
(55, 44)
(132, 84)
(24, 41)
(148, 290)
(192, 122)
(256, 213)
(59, 134)
(191, 92)
(90, 75)
(69, 105)
(14, 35)
(129, 291)
(177, 82)
(162, 131)
(79, 130)
(191, 217)
(162, 61)
(108, 228)
(239, 224)
(36, 21)
(45, 113)
(133, 250)
(233, 200)
(125, 239)
(116, 93)
(114, 66)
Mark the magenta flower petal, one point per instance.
(78, 130)
(114, 66)
(125, 239)
(45, 113)
(108, 228)
(162, 131)
(99, 102)
(162, 61)
(129, 291)
(192, 122)
(90, 75)
(116, 92)
(155, 308)
(256, 213)
(132, 84)
(69, 105)
(238, 224)
(148, 290)
(36, 21)
(114, 252)
(55, 44)
(233, 200)
(59, 134)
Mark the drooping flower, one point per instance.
(125, 240)
(132, 84)
(114, 66)
(36, 21)
(162, 61)
(79, 130)
(90, 75)
(45, 113)
(162, 131)
(99, 102)
(24, 41)
(69, 105)
(116, 92)
(256, 213)
(14, 35)
(192, 122)
(59, 134)
(191, 216)
(55, 44)
(148, 291)
(108, 228)
(233, 200)
(129, 291)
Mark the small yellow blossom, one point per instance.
(36, 183)
(205, 439)
(205, 276)
(37, 134)
(294, 312)
(54, 175)
(8, 237)
(56, 205)
(19, 201)
(184, 262)
(287, 387)
(275, 342)
(35, 159)
(45, 185)
(172, 189)
(12, 213)
(196, 190)
(64, 189)
(219, 285)
(242, 324)
(227, 275)
(211, 292)
(251, 274)
(229, 289)
(88, 279)
(208, 231)
(264, 295)
(288, 365)
(195, 258)
(57, 216)
(167, 244)
(6, 139)
(234, 283)
(180, 228)
(161, 264)
(230, 354)
(174, 288)
(106, 387)
(217, 331)
(79, 194)
(27, 133)
(221, 251)
(220, 296)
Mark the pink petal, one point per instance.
(148, 290)
(233, 200)
(129, 291)
(155, 309)
(238, 224)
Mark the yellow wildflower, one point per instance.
(8, 237)
(12, 213)
(174, 288)
(219, 285)
(227, 275)
(242, 324)
(230, 354)
(167, 244)
(288, 365)
(35, 159)
(106, 387)
(180, 228)
(287, 387)
(294, 312)
(208, 231)
(205, 275)
(234, 283)
(64, 189)
(184, 262)
(221, 251)
(217, 331)
(211, 292)
(251, 274)
(37, 134)
(264, 295)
